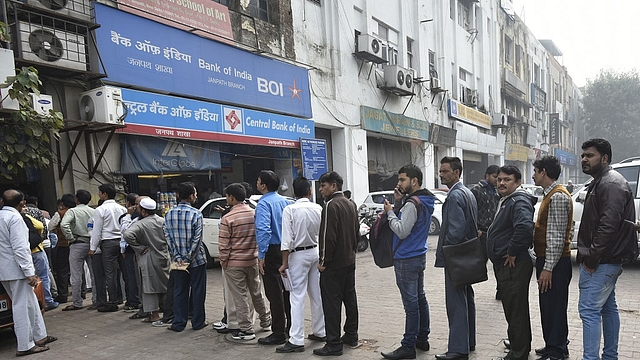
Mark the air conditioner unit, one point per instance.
(435, 83)
(398, 80)
(472, 97)
(7, 68)
(103, 105)
(510, 112)
(49, 46)
(370, 49)
(75, 9)
(41, 103)
(499, 120)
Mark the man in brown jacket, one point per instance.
(337, 242)
(239, 259)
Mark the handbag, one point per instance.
(466, 263)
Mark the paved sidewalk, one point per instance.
(89, 334)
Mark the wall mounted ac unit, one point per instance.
(510, 112)
(54, 47)
(7, 68)
(74, 9)
(435, 83)
(472, 97)
(41, 103)
(370, 49)
(103, 104)
(398, 80)
(499, 120)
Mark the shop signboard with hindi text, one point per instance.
(468, 115)
(385, 122)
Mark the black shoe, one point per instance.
(326, 351)
(273, 339)
(350, 343)
(289, 348)
(452, 356)
(108, 308)
(543, 351)
(315, 337)
(507, 344)
(423, 345)
(548, 357)
(400, 353)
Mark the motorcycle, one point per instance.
(367, 219)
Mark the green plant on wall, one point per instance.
(25, 135)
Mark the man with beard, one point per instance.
(411, 230)
(606, 240)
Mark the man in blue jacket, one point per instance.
(411, 229)
(508, 241)
(458, 214)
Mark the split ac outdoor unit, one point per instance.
(103, 105)
(7, 68)
(75, 9)
(499, 120)
(48, 46)
(41, 103)
(472, 97)
(435, 83)
(398, 80)
(370, 49)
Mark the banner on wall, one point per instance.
(171, 116)
(554, 129)
(144, 154)
(148, 54)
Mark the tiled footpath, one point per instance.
(87, 334)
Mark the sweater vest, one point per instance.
(540, 231)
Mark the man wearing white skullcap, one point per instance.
(146, 238)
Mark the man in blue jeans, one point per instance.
(411, 229)
(606, 240)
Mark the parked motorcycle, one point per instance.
(367, 219)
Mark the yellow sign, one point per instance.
(467, 114)
(517, 153)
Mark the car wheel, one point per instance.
(434, 227)
(211, 262)
(363, 244)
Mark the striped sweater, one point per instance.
(237, 239)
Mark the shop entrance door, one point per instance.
(252, 168)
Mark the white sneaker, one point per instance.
(219, 325)
(244, 336)
(160, 323)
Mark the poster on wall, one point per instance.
(147, 54)
(554, 128)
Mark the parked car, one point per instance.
(630, 169)
(375, 200)
(6, 314)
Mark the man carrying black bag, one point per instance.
(458, 226)
(411, 229)
(508, 241)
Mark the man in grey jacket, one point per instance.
(508, 241)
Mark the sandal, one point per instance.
(149, 320)
(71, 308)
(137, 316)
(34, 350)
(46, 340)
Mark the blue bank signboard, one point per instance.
(148, 54)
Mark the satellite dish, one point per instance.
(87, 108)
(45, 45)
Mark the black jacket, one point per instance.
(512, 230)
(339, 232)
(604, 236)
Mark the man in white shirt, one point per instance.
(300, 227)
(106, 235)
(18, 277)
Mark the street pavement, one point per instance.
(85, 334)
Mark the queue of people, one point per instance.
(286, 251)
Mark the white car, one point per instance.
(375, 200)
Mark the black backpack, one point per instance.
(381, 237)
(34, 236)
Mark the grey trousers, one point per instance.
(78, 255)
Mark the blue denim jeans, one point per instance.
(410, 281)
(41, 264)
(599, 311)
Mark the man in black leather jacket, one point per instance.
(605, 242)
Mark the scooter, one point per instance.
(367, 218)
